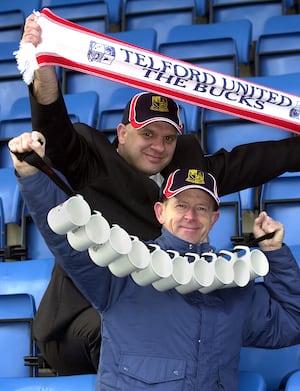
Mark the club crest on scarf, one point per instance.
(101, 53)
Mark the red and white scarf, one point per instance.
(72, 46)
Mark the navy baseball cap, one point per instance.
(146, 107)
(189, 178)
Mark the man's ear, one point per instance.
(121, 132)
(215, 218)
(158, 210)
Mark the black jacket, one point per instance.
(126, 197)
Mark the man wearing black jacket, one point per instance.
(122, 181)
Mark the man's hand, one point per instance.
(24, 143)
(264, 224)
(45, 86)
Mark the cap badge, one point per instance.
(196, 177)
(159, 103)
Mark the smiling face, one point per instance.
(148, 149)
(189, 215)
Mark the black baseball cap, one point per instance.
(145, 108)
(189, 178)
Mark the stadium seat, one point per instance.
(229, 224)
(293, 382)
(10, 206)
(26, 6)
(11, 25)
(83, 107)
(277, 54)
(54, 383)
(256, 12)
(111, 115)
(32, 243)
(16, 316)
(144, 38)
(280, 198)
(160, 15)
(239, 30)
(282, 24)
(275, 365)
(219, 54)
(251, 381)
(92, 14)
(8, 64)
(278, 48)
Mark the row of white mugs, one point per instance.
(126, 255)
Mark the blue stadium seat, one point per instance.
(92, 14)
(10, 196)
(16, 315)
(26, 6)
(54, 383)
(111, 115)
(10, 205)
(83, 107)
(114, 11)
(229, 224)
(32, 243)
(293, 382)
(275, 365)
(277, 54)
(30, 277)
(11, 25)
(144, 38)
(282, 24)
(157, 14)
(280, 197)
(8, 64)
(218, 54)
(277, 50)
(251, 381)
(256, 12)
(239, 30)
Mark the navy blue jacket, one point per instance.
(165, 341)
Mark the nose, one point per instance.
(158, 144)
(190, 214)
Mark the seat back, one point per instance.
(219, 54)
(92, 14)
(251, 381)
(280, 198)
(277, 54)
(275, 365)
(160, 15)
(30, 277)
(293, 382)
(240, 31)
(16, 316)
(229, 223)
(11, 25)
(53, 383)
(256, 12)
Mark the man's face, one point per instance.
(190, 215)
(148, 149)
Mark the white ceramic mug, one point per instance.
(96, 231)
(255, 259)
(138, 258)
(223, 275)
(118, 244)
(202, 274)
(72, 213)
(181, 273)
(160, 266)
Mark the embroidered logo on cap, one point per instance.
(196, 177)
(159, 103)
